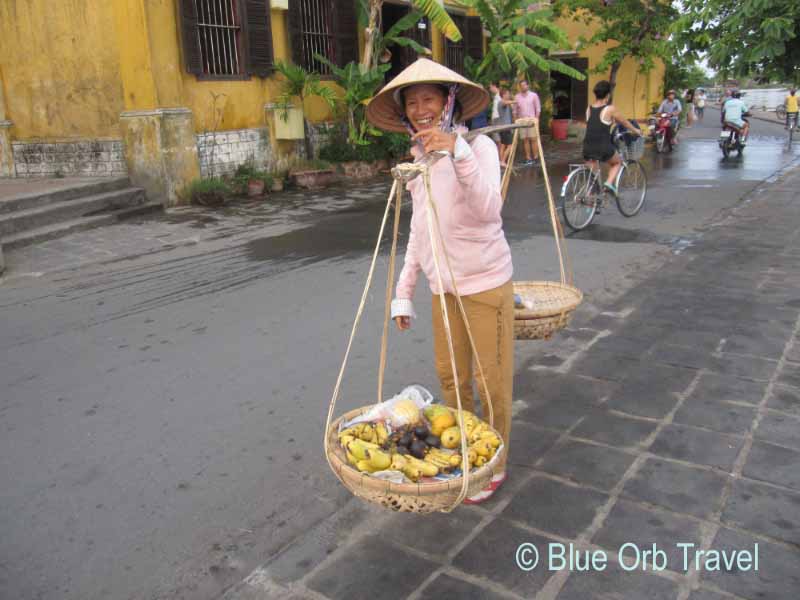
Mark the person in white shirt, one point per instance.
(699, 104)
(494, 89)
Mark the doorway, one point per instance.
(421, 33)
(570, 96)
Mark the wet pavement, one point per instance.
(164, 380)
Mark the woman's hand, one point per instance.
(403, 323)
(436, 139)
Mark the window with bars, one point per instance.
(225, 39)
(218, 33)
(324, 27)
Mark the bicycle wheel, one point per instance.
(631, 188)
(780, 112)
(577, 200)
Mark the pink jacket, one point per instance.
(467, 196)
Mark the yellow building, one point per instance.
(167, 90)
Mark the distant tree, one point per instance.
(636, 29)
(744, 37)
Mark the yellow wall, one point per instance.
(61, 69)
(635, 91)
(65, 64)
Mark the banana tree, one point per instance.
(395, 37)
(370, 20)
(520, 39)
(358, 86)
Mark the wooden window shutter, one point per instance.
(190, 44)
(295, 26)
(259, 37)
(474, 37)
(346, 31)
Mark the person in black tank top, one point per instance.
(598, 144)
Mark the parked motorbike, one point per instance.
(661, 132)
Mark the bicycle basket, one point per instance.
(631, 149)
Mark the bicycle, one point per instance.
(582, 192)
(780, 112)
(792, 125)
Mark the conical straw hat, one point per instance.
(384, 110)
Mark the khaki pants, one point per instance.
(491, 320)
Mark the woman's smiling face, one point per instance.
(424, 104)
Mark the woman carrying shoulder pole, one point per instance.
(427, 100)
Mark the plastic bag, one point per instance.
(403, 409)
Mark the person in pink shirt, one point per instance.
(527, 104)
(466, 190)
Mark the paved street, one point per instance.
(165, 384)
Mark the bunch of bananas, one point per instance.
(375, 433)
(370, 448)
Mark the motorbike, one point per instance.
(661, 132)
(730, 140)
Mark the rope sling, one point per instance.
(440, 496)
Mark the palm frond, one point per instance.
(439, 17)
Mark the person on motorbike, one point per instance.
(733, 113)
(672, 106)
(598, 144)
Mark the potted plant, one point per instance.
(250, 180)
(278, 180)
(209, 191)
(312, 174)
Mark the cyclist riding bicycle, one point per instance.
(733, 113)
(791, 107)
(598, 144)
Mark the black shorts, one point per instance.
(506, 137)
(604, 156)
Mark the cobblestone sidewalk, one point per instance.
(673, 418)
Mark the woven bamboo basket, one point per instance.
(553, 302)
(403, 497)
(553, 305)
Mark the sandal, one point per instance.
(487, 492)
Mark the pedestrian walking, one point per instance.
(428, 100)
(700, 104)
(688, 99)
(527, 104)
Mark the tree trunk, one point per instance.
(612, 79)
(307, 139)
(369, 34)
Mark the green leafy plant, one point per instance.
(744, 37)
(388, 146)
(247, 172)
(302, 84)
(635, 29)
(209, 191)
(519, 41)
(305, 164)
(369, 18)
(358, 86)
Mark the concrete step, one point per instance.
(51, 191)
(48, 214)
(56, 230)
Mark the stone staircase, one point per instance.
(51, 209)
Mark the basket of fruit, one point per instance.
(543, 307)
(408, 459)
